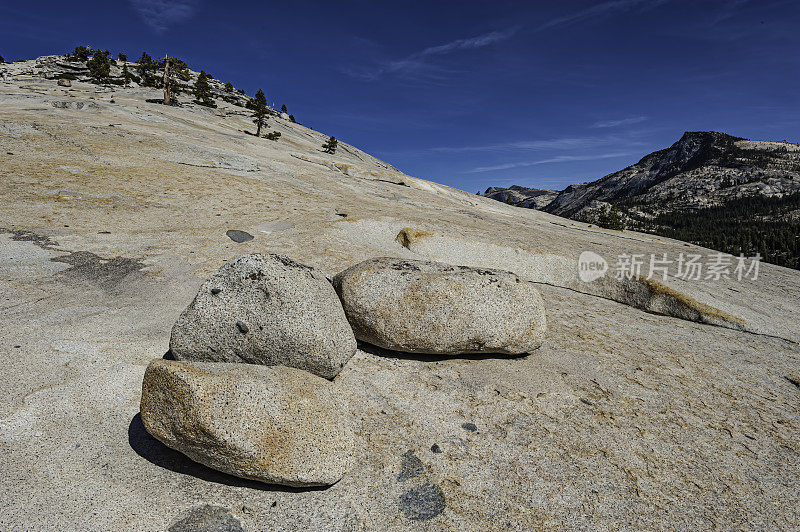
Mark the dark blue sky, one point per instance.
(471, 94)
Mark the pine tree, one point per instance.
(167, 84)
(610, 218)
(122, 57)
(82, 53)
(126, 75)
(99, 67)
(284, 110)
(260, 111)
(291, 119)
(146, 69)
(229, 87)
(331, 145)
(173, 72)
(202, 91)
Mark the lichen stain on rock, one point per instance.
(408, 235)
(703, 311)
(422, 503)
(239, 236)
(207, 518)
(87, 267)
(23, 235)
(410, 467)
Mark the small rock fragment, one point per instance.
(242, 327)
(469, 426)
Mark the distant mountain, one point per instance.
(709, 188)
(531, 198)
(702, 169)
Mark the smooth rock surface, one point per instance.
(430, 307)
(266, 309)
(270, 423)
(691, 426)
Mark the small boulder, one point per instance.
(274, 424)
(266, 309)
(64, 83)
(430, 307)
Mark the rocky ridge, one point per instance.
(701, 169)
(530, 198)
(713, 189)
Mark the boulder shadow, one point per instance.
(159, 454)
(423, 357)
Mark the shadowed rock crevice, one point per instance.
(424, 357)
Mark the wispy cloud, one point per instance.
(565, 143)
(598, 11)
(467, 44)
(551, 160)
(621, 122)
(161, 14)
(420, 64)
(729, 10)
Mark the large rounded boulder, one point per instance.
(274, 424)
(266, 309)
(430, 307)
